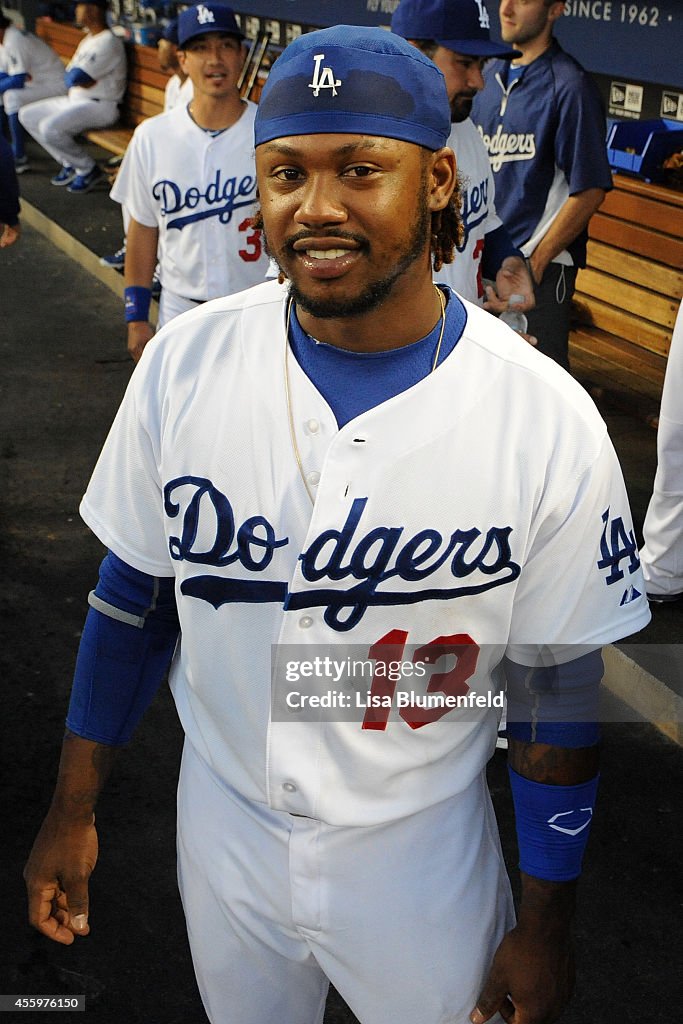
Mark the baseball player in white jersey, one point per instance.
(455, 35)
(96, 79)
(662, 554)
(290, 475)
(179, 87)
(188, 182)
(31, 71)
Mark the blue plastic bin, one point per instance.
(641, 147)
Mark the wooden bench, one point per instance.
(628, 295)
(144, 94)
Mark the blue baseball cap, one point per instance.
(354, 81)
(203, 18)
(170, 33)
(458, 25)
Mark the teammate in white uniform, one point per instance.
(455, 35)
(31, 71)
(179, 87)
(189, 184)
(289, 467)
(96, 77)
(663, 527)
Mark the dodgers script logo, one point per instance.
(365, 559)
(220, 198)
(508, 147)
(323, 78)
(475, 208)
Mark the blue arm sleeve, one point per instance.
(76, 76)
(557, 704)
(497, 246)
(126, 647)
(12, 82)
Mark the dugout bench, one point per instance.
(144, 94)
(627, 297)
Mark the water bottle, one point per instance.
(512, 317)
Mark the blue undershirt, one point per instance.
(354, 382)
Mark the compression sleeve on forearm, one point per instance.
(127, 644)
(12, 81)
(497, 246)
(77, 76)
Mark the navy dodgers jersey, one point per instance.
(545, 137)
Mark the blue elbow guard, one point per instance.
(118, 671)
(126, 647)
(553, 825)
(557, 704)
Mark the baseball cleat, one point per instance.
(21, 164)
(84, 182)
(117, 259)
(64, 176)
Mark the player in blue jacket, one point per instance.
(542, 122)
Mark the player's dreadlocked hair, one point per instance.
(446, 230)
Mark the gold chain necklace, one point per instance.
(288, 398)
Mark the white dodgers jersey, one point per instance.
(438, 523)
(478, 212)
(199, 189)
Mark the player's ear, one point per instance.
(555, 11)
(182, 60)
(443, 176)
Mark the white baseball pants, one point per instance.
(662, 556)
(55, 122)
(403, 918)
(14, 99)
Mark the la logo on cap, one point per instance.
(323, 78)
(483, 15)
(204, 15)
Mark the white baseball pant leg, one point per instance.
(662, 555)
(403, 918)
(172, 305)
(15, 99)
(54, 123)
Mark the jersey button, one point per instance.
(313, 426)
(313, 477)
(305, 622)
(289, 787)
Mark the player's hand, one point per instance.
(139, 333)
(56, 875)
(531, 978)
(9, 234)
(513, 278)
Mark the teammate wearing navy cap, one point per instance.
(188, 182)
(331, 482)
(455, 35)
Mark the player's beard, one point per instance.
(461, 107)
(376, 291)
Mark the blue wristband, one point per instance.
(136, 303)
(553, 824)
